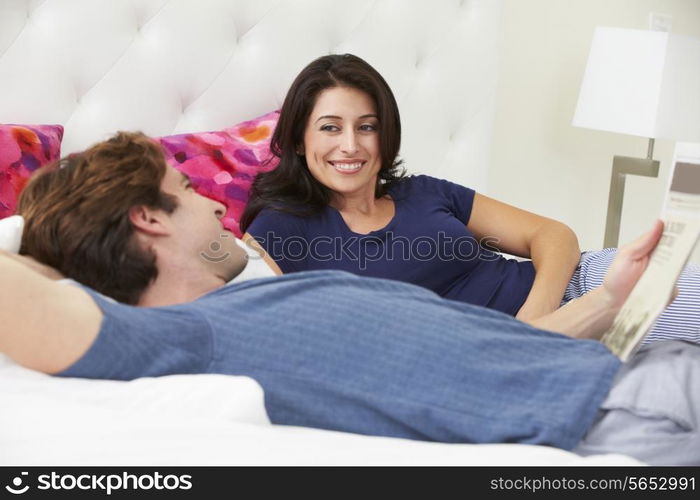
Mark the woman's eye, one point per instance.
(329, 128)
(368, 127)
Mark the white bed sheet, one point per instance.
(205, 420)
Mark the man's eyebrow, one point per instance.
(336, 117)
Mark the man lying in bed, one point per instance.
(330, 349)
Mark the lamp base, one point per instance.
(622, 166)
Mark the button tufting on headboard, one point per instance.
(170, 66)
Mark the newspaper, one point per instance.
(651, 295)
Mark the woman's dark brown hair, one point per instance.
(291, 187)
(77, 214)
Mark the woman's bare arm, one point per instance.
(552, 246)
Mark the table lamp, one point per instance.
(644, 83)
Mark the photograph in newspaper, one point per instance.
(651, 295)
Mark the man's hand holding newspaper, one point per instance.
(630, 263)
(672, 243)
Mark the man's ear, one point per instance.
(148, 220)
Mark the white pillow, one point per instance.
(256, 267)
(11, 233)
(223, 397)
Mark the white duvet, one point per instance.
(204, 420)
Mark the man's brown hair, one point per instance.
(77, 214)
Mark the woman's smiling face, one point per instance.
(341, 142)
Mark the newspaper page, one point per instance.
(651, 295)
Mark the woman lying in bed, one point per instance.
(340, 200)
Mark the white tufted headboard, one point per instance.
(172, 66)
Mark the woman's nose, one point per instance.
(349, 144)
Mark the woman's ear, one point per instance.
(148, 220)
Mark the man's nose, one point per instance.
(219, 208)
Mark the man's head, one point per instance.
(115, 216)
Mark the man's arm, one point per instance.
(46, 326)
(587, 317)
(591, 315)
(33, 264)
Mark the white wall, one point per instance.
(542, 163)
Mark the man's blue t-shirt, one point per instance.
(335, 351)
(426, 243)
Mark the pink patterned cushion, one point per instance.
(24, 149)
(223, 164)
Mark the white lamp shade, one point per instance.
(644, 83)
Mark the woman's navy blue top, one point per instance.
(427, 243)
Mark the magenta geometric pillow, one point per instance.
(23, 150)
(223, 164)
